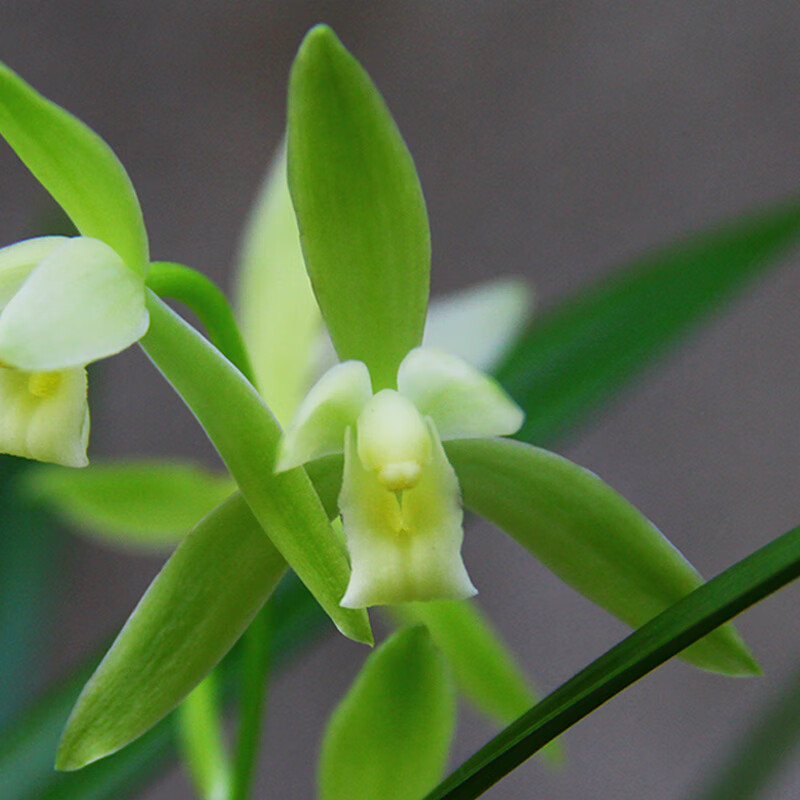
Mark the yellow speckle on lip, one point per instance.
(43, 384)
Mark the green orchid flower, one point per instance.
(64, 302)
(400, 502)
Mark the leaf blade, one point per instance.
(736, 589)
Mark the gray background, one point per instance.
(553, 140)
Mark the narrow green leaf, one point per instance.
(588, 535)
(76, 166)
(246, 436)
(202, 746)
(141, 504)
(362, 218)
(390, 736)
(484, 668)
(192, 614)
(579, 354)
(765, 747)
(689, 620)
(278, 312)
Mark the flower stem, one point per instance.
(208, 302)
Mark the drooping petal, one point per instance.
(480, 323)
(332, 405)
(403, 546)
(45, 415)
(463, 402)
(18, 260)
(81, 303)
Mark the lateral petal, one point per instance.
(332, 405)
(463, 402)
(81, 303)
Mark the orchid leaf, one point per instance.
(589, 536)
(360, 210)
(279, 316)
(390, 736)
(246, 436)
(192, 614)
(144, 504)
(76, 166)
(578, 355)
(678, 627)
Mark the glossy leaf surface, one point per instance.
(360, 210)
(588, 535)
(390, 736)
(76, 166)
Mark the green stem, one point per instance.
(210, 305)
(208, 302)
(256, 658)
(201, 742)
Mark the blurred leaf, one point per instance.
(29, 550)
(76, 166)
(363, 224)
(246, 435)
(142, 504)
(765, 745)
(390, 736)
(588, 535)
(279, 316)
(192, 614)
(579, 354)
(693, 617)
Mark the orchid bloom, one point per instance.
(400, 503)
(64, 301)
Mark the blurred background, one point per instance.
(553, 140)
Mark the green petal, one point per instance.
(403, 548)
(279, 316)
(192, 614)
(390, 736)
(462, 402)
(81, 303)
(332, 405)
(362, 218)
(18, 260)
(484, 668)
(143, 504)
(45, 416)
(479, 324)
(590, 536)
(76, 166)
(246, 436)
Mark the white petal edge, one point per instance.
(463, 402)
(480, 323)
(319, 425)
(45, 416)
(18, 260)
(79, 304)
